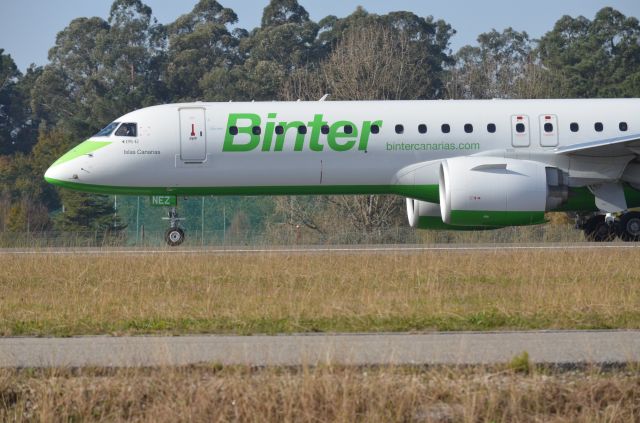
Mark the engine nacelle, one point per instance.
(487, 191)
(424, 215)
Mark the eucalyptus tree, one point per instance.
(10, 103)
(283, 43)
(99, 69)
(503, 65)
(596, 58)
(200, 44)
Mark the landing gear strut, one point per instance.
(174, 236)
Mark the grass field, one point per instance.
(320, 394)
(272, 293)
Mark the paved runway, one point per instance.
(553, 347)
(316, 249)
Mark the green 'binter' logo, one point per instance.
(342, 135)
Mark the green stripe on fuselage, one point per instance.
(81, 149)
(422, 192)
(580, 199)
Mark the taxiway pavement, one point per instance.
(442, 348)
(320, 249)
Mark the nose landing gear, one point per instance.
(174, 236)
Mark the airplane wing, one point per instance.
(629, 144)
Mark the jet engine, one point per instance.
(487, 191)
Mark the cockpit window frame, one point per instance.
(107, 130)
(127, 125)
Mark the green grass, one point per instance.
(254, 294)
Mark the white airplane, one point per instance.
(480, 164)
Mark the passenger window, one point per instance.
(422, 128)
(399, 129)
(574, 127)
(127, 130)
(348, 129)
(598, 126)
(233, 130)
(445, 128)
(468, 128)
(491, 128)
(548, 127)
(256, 130)
(375, 129)
(520, 128)
(324, 129)
(302, 129)
(279, 130)
(623, 126)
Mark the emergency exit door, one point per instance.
(520, 131)
(193, 135)
(548, 130)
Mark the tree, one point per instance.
(372, 63)
(71, 89)
(201, 50)
(15, 121)
(599, 58)
(99, 70)
(425, 44)
(285, 42)
(87, 213)
(22, 194)
(503, 65)
(281, 12)
(134, 58)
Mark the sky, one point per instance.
(28, 28)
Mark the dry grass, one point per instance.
(318, 395)
(66, 295)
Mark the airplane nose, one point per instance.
(54, 174)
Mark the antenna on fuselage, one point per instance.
(324, 97)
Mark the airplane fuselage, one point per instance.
(164, 156)
(376, 147)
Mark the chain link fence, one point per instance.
(286, 235)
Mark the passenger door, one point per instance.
(548, 130)
(520, 131)
(193, 135)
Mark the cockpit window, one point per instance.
(107, 130)
(127, 130)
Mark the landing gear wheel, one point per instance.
(597, 230)
(629, 227)
(174, 236)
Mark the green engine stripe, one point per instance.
(496, 218)
(436, 223)
(81, 149)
